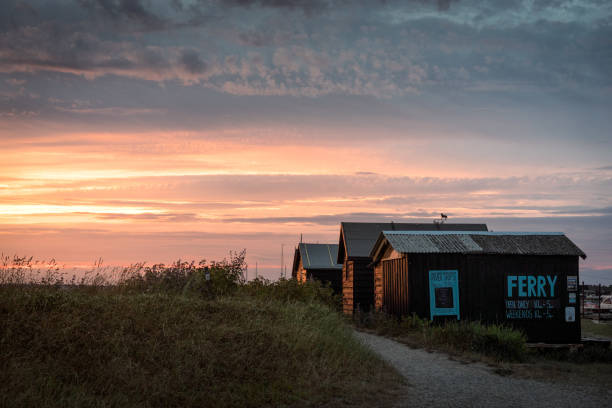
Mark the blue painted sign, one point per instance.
(532, 297)
(444, 293)
(531, 286)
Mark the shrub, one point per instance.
(498, 341)
(208, 280)
(290, 290)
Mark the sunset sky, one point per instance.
(150, 130)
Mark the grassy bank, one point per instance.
(77, 348)
(183, 335)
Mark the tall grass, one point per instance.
(168, 336)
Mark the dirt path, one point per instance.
(436, 381)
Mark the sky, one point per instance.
(146, 130)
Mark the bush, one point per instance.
(498, 341)
(290, 290)
(494, 340)
(217, 279)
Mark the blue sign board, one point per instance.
(532, 297)
(444, 293)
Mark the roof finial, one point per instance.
(443, 218)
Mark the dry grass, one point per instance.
(145, 344)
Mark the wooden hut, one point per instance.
(527, 280)
(318, 262)
(356, 242)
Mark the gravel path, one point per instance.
(436, 381)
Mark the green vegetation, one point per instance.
(596, 330)
(497, 341)
(168, 336)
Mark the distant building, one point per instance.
(355, 244)
(527, 280)
(318, 262)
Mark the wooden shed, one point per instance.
(527, 280)
(318, 262)
(355, 244)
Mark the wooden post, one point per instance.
(599, 303)
(582, 300)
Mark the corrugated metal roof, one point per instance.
(479, 242)
(319, 256)
(360, 237)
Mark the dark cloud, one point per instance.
(255, 38)
(347, 50)
(308, 6)
(335, 219)
(444, 5)
(130, 10)
(192, 62)
(583, 210)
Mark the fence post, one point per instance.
(582, 300)
(599, 303)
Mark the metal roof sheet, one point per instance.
(360, 237)
(319, 256)
(479, 242)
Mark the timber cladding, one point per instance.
(532, 292)
(357, 285)
(347, 287)
(394, 286)
(355, 243)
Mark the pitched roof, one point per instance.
(358, 238)
(477, 242)
(319, 256)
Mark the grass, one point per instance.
(187, 342)
(596, 330)
(498, 346)
(498, 342)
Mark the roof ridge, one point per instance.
(451, 232)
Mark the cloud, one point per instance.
(582, 210)
(444, 5)
(350, 49)
(308, 6)
(335, 219)
(171, 217)
(591, 276)
(131, 10)
(192, 62)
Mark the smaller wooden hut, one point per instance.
(355, 243)
(317, 261)
(527, 280)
